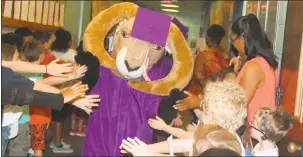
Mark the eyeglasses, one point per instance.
(232, 41)
(251, 125)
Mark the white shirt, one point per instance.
(241, 145)
(11, 115)
(268, 152)
(69, 55)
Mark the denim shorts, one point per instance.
(5, 132)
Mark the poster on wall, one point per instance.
(39, 13)
(61, 17)
(17, 9)
(56, 18)
(51, 13)
(7, 11)
(45, 12)
(24, 10)
(32, 9)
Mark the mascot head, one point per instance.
(141, 39)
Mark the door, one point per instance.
(290, 72)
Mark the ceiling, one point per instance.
(184, 6)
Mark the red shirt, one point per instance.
(39, 114)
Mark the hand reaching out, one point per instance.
(136, 147)
(78, 72)
(178, 121)
(56, 69)
(191, 102)
(76, 90)
(87, 102)
(157, 123)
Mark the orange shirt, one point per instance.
(213, 63)
(265, 96)
(39, 114)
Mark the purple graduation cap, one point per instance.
(183, 28)
(151, 26)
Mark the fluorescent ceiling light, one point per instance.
(171, 10)
(170, 5)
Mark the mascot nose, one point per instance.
(129, 68)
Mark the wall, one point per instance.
(74, 22)
(190, 19)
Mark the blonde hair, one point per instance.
(225, 104)
(213, 136)
(273, 123)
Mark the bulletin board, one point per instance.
(45, 15)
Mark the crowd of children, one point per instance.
(39, 47)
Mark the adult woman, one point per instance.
(211, 60)
(258, 75)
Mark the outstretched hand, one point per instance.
(87, 103)
(135, 146)
(78, 71)
(191, 102)
(157, 123)
(76, 90)
(178, 121)
(56, 69)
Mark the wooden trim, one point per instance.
(9, 22)
(299, 93)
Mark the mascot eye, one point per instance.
(157, 47)
(125, 34)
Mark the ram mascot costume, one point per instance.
(135, 76)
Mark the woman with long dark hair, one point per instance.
(258, 75)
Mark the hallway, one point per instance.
(75, 142)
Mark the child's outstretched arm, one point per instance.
(178, 145)
(159, 124)
(137, 148)
(77, 73)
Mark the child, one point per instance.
(11, 114)
(224, 104)
(205, 137)
(19, 146)
(269, 126)
(40, 117)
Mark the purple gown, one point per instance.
(123, 112)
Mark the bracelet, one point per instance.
(45, 69)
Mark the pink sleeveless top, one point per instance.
(265, 96)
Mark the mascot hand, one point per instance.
(191, 102)
(157, 123)
(135, 146)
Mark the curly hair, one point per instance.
(225, 104)
(214, 136)
(273, 123)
